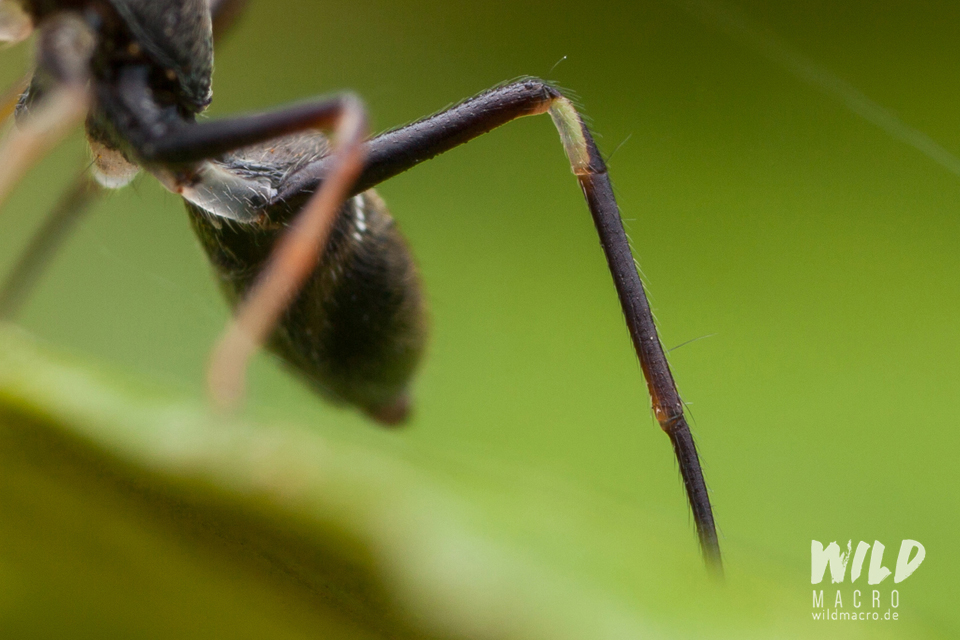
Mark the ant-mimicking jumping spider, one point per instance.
(303, 246)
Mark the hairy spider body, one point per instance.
(356, 330)
(304, 249)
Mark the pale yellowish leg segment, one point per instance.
(568, 124)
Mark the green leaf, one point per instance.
(126, 511)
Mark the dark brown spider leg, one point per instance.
(45, 243)
(399, 150)
(160, 140)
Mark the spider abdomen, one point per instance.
(357, 329)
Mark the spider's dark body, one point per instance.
(357, 329)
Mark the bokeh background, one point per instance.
(815, 255)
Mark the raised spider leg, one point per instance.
(401, 149)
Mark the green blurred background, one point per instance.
(815, 254)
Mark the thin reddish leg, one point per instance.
(27, 143)
(293, 260)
